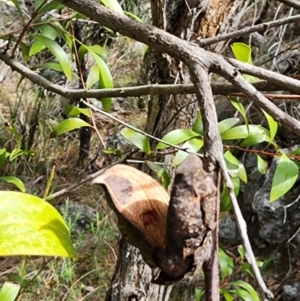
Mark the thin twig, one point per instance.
(250, 29)
(89, 177)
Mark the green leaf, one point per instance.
(48, 32)
(226, 295)
(273, 125)
(235, 167)
(72, 111)
(254, 134)
(198, 294)
(59, 53)
(227, 124)
(198, 124)
(177, 136)
(113, 5)
(105, 78)
(239, 107)
(226, 264)
(15, 181)
(51, 65)
(68, 125)
(2, 156)
(9, 291)
(248, 288)
(160, 172)
(31, 226)
(262, 165)
(244, 295)
(93, 77)
(192, 146)
(137, 139)
(241, 251)
(257, 134)
(51, 6)
(285, 176)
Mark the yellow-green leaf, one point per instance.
(262, 165)
(113, 5)
(31, 226)
(227, 124)
(9, 291)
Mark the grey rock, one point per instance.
(228, 230)
(291, 292)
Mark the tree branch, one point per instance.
(250, 29)
(291, 3)
(223, 89)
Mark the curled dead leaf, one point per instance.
(140, 199)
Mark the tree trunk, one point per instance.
(189, 20)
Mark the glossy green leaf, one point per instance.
(257, 134)
(225, 263)
(2, 156)
(105, 78)
(59, 53)
(273, 125)
(285, 176)
(113, 5)
(137, 139)
(198, 124)
(72, 111)
(68, 125)
(244, 295)
(239, 107)
(31, 226)
(262, 165)
(246, 286)
(235, 167)
(192, 146)
(51, 6)
(48, 32)
(93, 77)
(15, 181)
(160, 172)
(9, 291)
(176, 137)
(227, 124)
